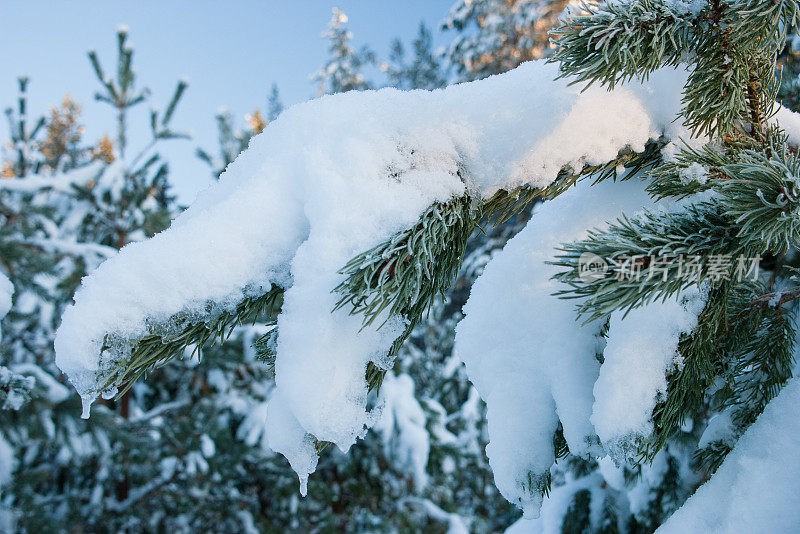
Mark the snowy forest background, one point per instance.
(184, 450)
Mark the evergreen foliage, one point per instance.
(495, 36)
(196, 424)
(749, 167)
(423, 72)
(343, 70)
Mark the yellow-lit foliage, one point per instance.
(256, 121)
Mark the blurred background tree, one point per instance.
(233, 140)
(344, 69)
(494, 36)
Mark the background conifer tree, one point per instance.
(344, 69)
(232, 141)
(274, 103)
(424, 71)
(68, 205)
(494, 36)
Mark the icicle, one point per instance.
(303, 484)
(86, 405)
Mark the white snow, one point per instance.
(252, 430)
(694, 173)
(61, 182)
(757, 488)
(6, 292)
(640, 349)
(402, 427)
(7, 461)
(720, 428)
(556, 505)
(207, 446)
(789, 121)
(686, 7)
(539, 366)
(640, 495)
(455, 523)
(331, 178)
(613, 475)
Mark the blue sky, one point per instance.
(231, 51)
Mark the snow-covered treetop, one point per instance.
(342, 72)
(497, 35)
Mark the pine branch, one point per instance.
(775, 299)
(653, 256)
(712, 456)
(763, 198)
(691, 171)
(156, 349)
(686, 385)
(757, 357)
(749, 344)
(762, 23)
(402, 275)
(694, 170)
(620, 41)
(763, 364)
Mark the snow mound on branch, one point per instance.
(529, 358)
(329, 179)
(641, 347)
(789, 121)
(757, 488)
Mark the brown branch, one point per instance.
(782, 298)
(756, 113)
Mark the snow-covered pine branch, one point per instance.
(344, 219)
(327, 180)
